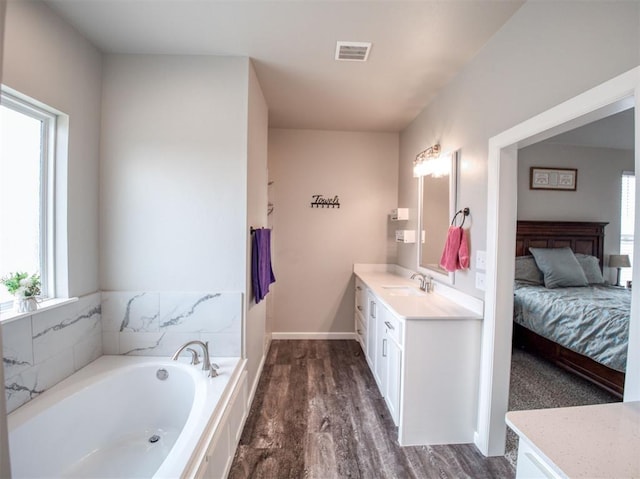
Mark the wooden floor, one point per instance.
(317, 413)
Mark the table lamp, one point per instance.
(619, 261)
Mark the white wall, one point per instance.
(173, 173)
(46, 59)
(315, 248)
(257, 179)
(546, 53)
(183, 176)
(597, 197)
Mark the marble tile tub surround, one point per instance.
(157, 323)
(43, 349)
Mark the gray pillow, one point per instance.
(559, 267)
(527, 270)
(591, 267)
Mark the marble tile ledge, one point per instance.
(47, 305)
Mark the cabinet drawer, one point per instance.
(361, 297)
(361, 328)
(394, 328)
(361, 331)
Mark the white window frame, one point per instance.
(48, 118)
(626, 240)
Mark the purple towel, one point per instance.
(261, 270)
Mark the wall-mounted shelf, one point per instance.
(405, 236)
(400, 214)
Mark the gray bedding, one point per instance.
(593, 320)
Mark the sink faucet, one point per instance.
(206, 363)
(426, 282)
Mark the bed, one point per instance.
(582, 329)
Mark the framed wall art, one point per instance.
(543, 178)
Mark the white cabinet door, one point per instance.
(531, 465)
(380, 370)
(394, 376)
(371, 331)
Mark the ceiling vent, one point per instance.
(353, 51)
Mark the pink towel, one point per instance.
(463, 252)
(449, 259)
(456, 250)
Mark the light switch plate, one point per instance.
(481, 260)
(480, 280)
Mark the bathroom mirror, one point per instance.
(436, 206)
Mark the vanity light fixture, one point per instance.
(431, 162)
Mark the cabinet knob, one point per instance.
(359, 308)
(358, 288)
(389, 325)
(359, 331)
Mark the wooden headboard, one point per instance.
(581, 237)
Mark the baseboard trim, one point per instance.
(313, 336)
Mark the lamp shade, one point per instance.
(619, 261)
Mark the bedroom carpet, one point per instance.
(538, 384)
(318, 414)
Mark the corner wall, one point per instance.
(315, 248)
(183, 176)
(48, 60)
(173, 173)
(257, 199)
(546, 53)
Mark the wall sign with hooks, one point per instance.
(319, 201)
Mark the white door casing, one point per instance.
(617, 94)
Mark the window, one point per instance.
(627, 217)
(27, 134)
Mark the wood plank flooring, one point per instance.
(318, 414)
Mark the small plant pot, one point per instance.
(25, 305)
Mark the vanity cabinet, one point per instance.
(426, 368)
(383, 352)
(531, 465)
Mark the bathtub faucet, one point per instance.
(206, 363)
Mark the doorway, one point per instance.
(601, 155)
(611, 97)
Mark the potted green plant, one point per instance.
(25, 288)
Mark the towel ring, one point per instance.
(464, 212)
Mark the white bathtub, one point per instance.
(99, 422)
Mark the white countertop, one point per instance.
(425, 306)
(600, 441)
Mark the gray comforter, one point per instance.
(593, 321)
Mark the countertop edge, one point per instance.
(458, 311)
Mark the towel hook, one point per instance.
(464, 212)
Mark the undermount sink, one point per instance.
(403, 291)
